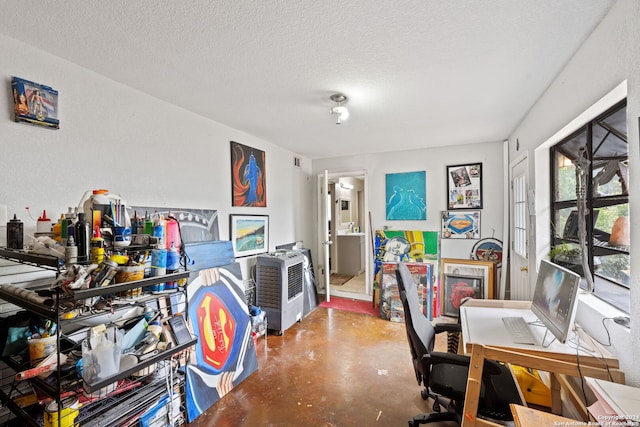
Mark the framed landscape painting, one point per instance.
(249, 234)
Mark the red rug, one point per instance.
(353, 305)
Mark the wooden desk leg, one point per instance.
(556, 395)
(474, 382)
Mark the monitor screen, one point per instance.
(554, 298)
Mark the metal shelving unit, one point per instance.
(62, 386)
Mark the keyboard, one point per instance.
(519, 330)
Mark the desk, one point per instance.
(485, 337)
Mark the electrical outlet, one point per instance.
(3, 215)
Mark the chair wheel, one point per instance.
(436, 406)
(412, 424)
(425, 394)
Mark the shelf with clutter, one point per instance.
(109, 326)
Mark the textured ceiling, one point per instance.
(418, 73)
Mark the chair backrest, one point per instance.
(420, 332)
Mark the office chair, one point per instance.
(444, 375)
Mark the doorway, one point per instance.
(520, 211)
(343, 208)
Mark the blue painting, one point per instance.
(406, 196)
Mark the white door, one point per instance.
(324, 238)
(520, 229)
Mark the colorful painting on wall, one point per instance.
(248, 176)
(225, 354)
(409, 246)
(461, 225)
(464, 186)
(35, 103)
(406, 196)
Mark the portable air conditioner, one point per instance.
(279, 284)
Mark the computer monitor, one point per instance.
(555, 298)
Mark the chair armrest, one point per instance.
(447, 327)
(490, 367)
(437, 357)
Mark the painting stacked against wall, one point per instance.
(462, 278)
(225, 354)
(420, 250)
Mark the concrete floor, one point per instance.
(335, 368)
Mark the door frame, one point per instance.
(366, 227)
(514, 267)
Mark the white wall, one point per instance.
(609, 57)
(434, 162)
(150, 152)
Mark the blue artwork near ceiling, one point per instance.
(406, 196)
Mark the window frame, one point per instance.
(614, 293)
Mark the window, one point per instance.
(520, 216)
(603, 144)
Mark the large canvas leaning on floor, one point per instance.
(407, 246)
(225, 354)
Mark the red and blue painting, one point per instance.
(248, 176)
(225, 354)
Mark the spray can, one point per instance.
(173, 264)
(15, 233)
(70, 252)
(83, 238)
(172, 233)
(160, 230)
(158, 265)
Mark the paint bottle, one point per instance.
(70, 252)
(97, 247)
(82, 237)
(15, 233)
(148, 225)
(64, 223)
(71, 222)
(44, 223)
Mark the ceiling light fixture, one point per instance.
(346, 186)
(339, 110)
